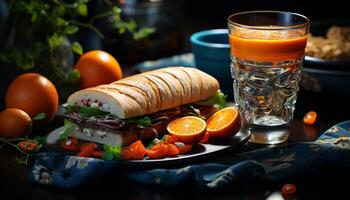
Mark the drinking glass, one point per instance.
(267, 52)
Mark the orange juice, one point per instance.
(266, 69)
(267, 46)
(267, 52)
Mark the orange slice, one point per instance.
(188, 129)
(224, 123)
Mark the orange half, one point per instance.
(188, 129)
(224, 123)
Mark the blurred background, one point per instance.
(174, 21)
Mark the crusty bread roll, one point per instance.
(150, 92)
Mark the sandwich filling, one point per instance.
(88, 117)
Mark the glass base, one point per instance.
(267, 134)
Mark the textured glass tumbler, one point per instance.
(267, 52)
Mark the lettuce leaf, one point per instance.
(140, 121)
(69, 128)
(90, 111)
(144, 122)
(218, 98)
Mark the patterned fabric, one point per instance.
(268, 165)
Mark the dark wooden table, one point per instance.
(320, 184)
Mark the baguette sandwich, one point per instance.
(140, 106)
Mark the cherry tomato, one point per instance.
(27, 146)
(288, 189)
(310, 118)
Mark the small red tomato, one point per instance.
(310, 118)
(288, 189)
(27, 145)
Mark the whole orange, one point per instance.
(33, 93)
(97, 67)
(14, 123)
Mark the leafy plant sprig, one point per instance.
(48, 23)
(25, 146)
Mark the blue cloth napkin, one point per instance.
(263, 165)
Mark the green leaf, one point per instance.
(4, 58)
(26, 66)
(73, 76)
(90, 111)
(107, 156)
(76, 47)
(131, 26)
(68, 108)
(60, 21)
(71, 30)
(40, 140)
(116, 10)
(69, 128)
(218, 98)
(111, 152)
(39, 116)
(140, 121)
(55, 40)
(143, 33)
(82, 9)
(144, 122)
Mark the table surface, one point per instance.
(14, 183)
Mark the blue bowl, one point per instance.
(211, 52)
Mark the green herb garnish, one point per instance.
(111, 153)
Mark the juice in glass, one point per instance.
(267, 51)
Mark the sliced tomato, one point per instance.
(138, 149)
(87, 150)
(158, 151)
(184, 148)
(97, 154)
(170, 139)
(205, 138)
(127, 153)
(27, 146)
(156, 154)
(172, 150)
(70, 144)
